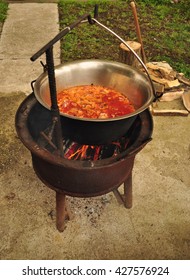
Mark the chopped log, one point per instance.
(158, 87)
(172, 95)
(167, 84)
(161, 70)
(172, 84)
(183, 79)
(127, 57)
(169, 112)
(186, 100)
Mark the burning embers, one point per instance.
(75, 151)
(101, 171)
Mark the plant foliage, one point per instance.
(3, 10)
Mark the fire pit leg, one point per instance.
(128, 191)
(62, 212)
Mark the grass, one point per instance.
(3, 10)
(165, 29)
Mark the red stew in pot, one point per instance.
(95, 102)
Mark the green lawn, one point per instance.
(165, 29)
(3, 10)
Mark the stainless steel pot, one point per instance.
(129, 81)
(134, 84)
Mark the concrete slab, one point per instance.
(21, 37)
(20, 74)
(156, 227)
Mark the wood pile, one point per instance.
(163, 75)
(170, 85)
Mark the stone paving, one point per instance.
(21, 37)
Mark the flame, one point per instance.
(83, 152)
(77, 151)
(80, 152)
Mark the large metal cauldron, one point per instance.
(129, 81)
(77, 178)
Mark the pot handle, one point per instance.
(134, 53)
(32, 85)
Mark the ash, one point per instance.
(91, 208)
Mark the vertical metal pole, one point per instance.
(53, 95)
(128, 191)
(60, 211)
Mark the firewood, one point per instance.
(183, 79)
(167, 84)
(186, 100)
(161, 70)
(169, 112)
(158, 87)
(127, 57)
(171, 95)
(171, 84)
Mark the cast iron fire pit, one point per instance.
(41, 130)
(78, 178)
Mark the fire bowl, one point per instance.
(80, 178)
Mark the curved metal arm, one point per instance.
(65, 31)
(135, 54)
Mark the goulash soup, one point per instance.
(94, 102)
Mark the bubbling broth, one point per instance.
(93, 102)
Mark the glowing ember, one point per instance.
(75, 151)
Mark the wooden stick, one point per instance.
(167, 112)
(133, 6)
